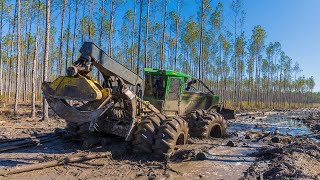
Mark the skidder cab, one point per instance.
(175, 93)
(154, 114)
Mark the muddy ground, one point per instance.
(260, 145)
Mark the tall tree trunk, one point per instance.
(25, 76)
(34, 67)
(68, 34)
(132, 34)
(83, 15)
(152, 41)
(101, 24)
(7, 75)
(1, 64)
(46, 58)
(147, 36)
(163, 32)
(61, 36)
(201, 39)
(18, 59)
(74, 42)
(112, 8)
(177, 35)
(101, 31)
(11, 53)
(235, 89)
(139, 38)
(90, 19)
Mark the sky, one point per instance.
(293, 23)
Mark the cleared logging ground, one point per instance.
(244, 153)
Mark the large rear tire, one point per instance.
(172, 132)
(204, 125)
(145, 133)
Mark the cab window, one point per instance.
(155, 86)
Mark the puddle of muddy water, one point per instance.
(283, 125)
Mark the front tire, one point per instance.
(145, 133)
(172, 132)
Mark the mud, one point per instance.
(254, 136)
(298, 160)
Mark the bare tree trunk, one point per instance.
(132, 34)
(25, 75)
(75, 32)
(34, 67)
(1, 64)
(46, 58)
(11, 54)
(90, 27)
(68, 34)
(235, 89)
(177, 35)
(152, 40)
(61, 36)
(101, 24)
(201, 39)
(112, 8)
(83, 15)
(101, 30)
(139, 38)
(163, 32)
(147, 38)
(18, 60)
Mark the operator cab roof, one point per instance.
(165, 72)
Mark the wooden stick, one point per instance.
(2, 141)
(17, 145)
(63, 161)
(29, 140)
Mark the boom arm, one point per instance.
(113, 68)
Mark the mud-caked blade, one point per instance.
(68, 112)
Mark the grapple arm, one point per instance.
(115, 101)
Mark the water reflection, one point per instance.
(283, 125)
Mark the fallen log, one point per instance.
(28, 143)
(62, 161)
(5, 141)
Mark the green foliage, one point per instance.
(87, 26)
(216, 17)
(191, 32)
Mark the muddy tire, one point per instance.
(145, 134)
(172, 132)
(204, 125)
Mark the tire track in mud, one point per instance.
(219, 160)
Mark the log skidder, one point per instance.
(156, 114)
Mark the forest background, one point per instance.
(39, 39)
